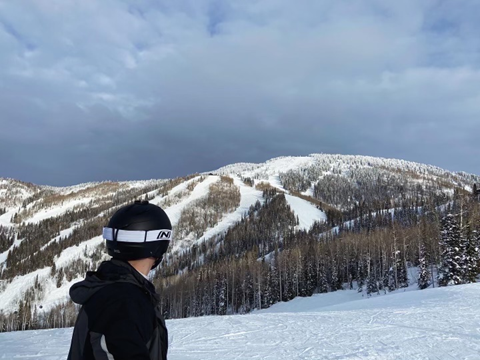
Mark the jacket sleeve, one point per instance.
(122, 332)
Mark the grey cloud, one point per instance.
(134, 90)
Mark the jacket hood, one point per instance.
(109, 272)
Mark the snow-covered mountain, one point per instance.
(49, 236)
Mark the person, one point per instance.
(120, 318)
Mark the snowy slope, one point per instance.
(14, 291)
(248, 197)
(58, 210)
(5, 218)
(441, 323)
(198, 192)
(328, 163)
(269, 168)
(58, 200)
(307, 212)
(66, 199)
(52, 295)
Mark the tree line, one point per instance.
(259, 262)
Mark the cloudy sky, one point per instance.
(120, 90)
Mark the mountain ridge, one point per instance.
(226, 168)
(49, 235)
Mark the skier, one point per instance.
(120, 318)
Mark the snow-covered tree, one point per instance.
(402, 275)
(322, 283)
(372, 284)
(423, 273)
(361, 275)
(335, 282)
(451, 270)
(392, 281)
(472, 257)
(310, 277)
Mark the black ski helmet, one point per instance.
(138, 231)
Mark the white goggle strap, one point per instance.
(136, 236)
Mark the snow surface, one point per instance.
(270, 168)
(15, 290)
(307, 212)
(76, 252)
(5, 218)
(57, 210)
(63, 234)
(273, 180)
(441, 323)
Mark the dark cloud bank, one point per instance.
(109, 90)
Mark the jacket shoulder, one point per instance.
(120, 293)
(118, 300)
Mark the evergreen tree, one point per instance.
(335, 283)
(423, 273)
(372, 284)
(267, 298)
(322, 284)
(222, 296)
(392, 279)
(451, 271)
(360, 275)
(471, 254)
(310, 277)
(273, 284)
(60, 276)
(402, 276)
(386, 281)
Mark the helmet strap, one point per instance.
(157, 262)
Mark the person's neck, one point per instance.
(143, 266)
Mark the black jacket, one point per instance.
(119, 319)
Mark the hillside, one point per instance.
(260, 216)
(439, 323)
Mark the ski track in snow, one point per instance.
(441, 323)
